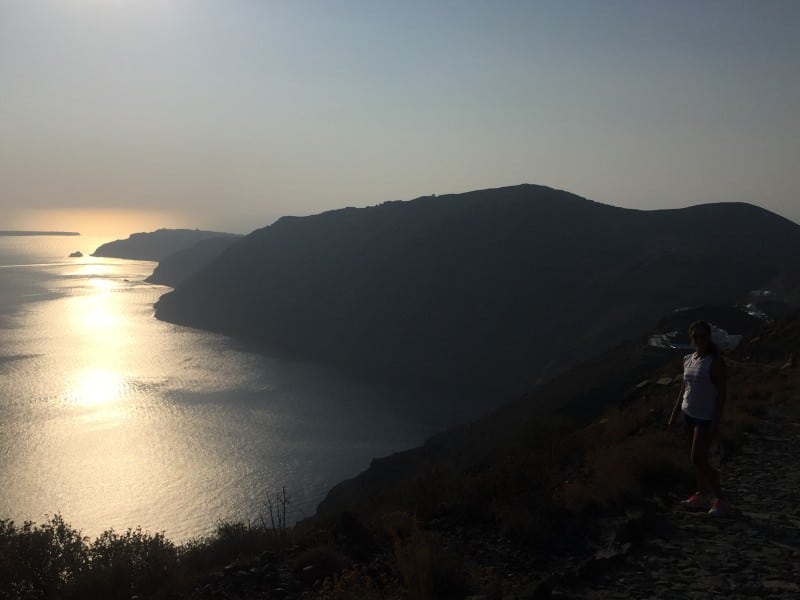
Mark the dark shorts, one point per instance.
(701, 424)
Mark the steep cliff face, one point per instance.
(176, 268)
(484, 292)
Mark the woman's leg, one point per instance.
(701, 446)
(691, 433)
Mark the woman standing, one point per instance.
(702, 400)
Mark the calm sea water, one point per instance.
(115, 419)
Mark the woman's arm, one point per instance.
(676, 406)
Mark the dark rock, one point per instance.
(780, 585)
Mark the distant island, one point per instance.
(157, 245)
(76, 254)
(13, 232)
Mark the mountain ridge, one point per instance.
(504, 285)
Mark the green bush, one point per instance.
(131, 563)
(38, 561)
(54, 560)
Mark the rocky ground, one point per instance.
(675, 553)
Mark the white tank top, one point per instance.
(700, 393)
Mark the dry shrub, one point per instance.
(414, 559)
(351, 584)
(619, 425)
(616, 426)
(513, 494)
(428, 569)
(231, 541)
(430, 491)
(660, 460)
(526, 522)
(579, 495)
(324, 561)
(618, 474)
(736, 422)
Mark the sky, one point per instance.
(228, 114)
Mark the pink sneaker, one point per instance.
(718, 508)
(696, 500)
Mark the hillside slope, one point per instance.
(155, 245)
(482, 293)
(582, 508)
(176, 268)
(578, 394)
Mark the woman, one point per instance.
(702, 400)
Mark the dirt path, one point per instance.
(754, 552)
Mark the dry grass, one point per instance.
(350, 584)
(429, 570)
(620, 473)
(628, 451)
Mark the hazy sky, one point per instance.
(230, 113)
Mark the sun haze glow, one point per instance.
(106, 222)
(234, 113)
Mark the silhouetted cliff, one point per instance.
(155, 245)
(176, 268)
(482, 293)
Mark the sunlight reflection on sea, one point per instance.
(118, 420)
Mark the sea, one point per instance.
(115, 420)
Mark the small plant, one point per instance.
(428, 570)
(276, 506)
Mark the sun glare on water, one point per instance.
(96, 387)
(95, 313)
(96, 316)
